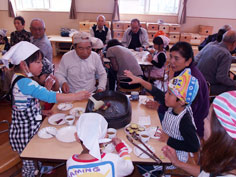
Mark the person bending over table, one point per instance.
(121, 59)
(92, 158)
(79, 67)
(218, 154)
(181, 57)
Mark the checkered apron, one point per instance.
(24, 125)
(170, 125)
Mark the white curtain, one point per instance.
(11, 9)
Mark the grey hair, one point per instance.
(229, 36)
(38, 19)
(101, 16)
(226, 27)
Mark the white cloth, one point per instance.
(81, 36)
(165, 39)
(96, 43)
(80, 73)
(108, 36)
(3, 32)
(92, 128)
(19, 52)
(205, 174)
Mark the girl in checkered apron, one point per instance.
(26, 93)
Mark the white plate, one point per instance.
(140, 153)
(64, 106)
(143, 100)
(77, 111)
(47, 132)
(109, 148)
(56, 117)
(127, 132)
(151, 131)
(66, 134)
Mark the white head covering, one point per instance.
(3, 32)
(81, 36)
(165, 39)
(18, 53)
(91, 129)
(97, 43)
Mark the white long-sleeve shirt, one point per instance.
(80, 73)
(111, 165)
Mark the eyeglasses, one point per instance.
(84, 48)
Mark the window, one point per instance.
(149, 6)
(51, 5)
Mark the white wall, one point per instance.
(212, 8)
(3, 5)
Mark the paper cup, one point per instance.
(70, 119)
(144, 136)
(111, 132)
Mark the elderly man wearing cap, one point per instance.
(91, 158)
(78, 67)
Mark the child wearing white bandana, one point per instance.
(26, 93)
(91, 130)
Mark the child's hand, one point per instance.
(49, 82)
(47, 112)
(152, 104)
(170, 153)
(116, 141)
(149, 57)
(163, 136)
(82, 95)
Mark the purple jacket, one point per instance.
(200, 105)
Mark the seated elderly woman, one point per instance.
(121, 59)
(20, 34)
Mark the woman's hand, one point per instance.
(170, 153)
(65, 88)
(163, 136)
(134, 78)
(82, 95)
(152, 104)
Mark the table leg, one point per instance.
(54, 49)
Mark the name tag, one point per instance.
(38, 117)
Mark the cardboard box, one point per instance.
(143, 25)
(164, 27)
(126, 25)
(174, 29)
(118, 34)
(205, 30)
(118, 26)
(196, 39)
(152, 27)
(174, 38)
(151, 36)
(84, 26)
(185, 37)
